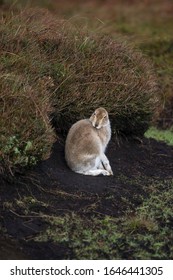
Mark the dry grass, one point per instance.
(90, 71)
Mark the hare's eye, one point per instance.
(104, 117)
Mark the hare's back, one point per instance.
(82, 135)
(79, 131)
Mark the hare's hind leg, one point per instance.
(94, 168)
(106, 164)
(95, 172)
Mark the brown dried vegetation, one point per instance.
(26, 132)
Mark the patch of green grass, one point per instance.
(160, 135)
(145, 234)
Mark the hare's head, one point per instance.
(99, 118)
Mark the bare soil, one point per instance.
(134, 163)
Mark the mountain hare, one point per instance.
(86, 142)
